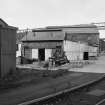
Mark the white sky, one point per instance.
(40, 13)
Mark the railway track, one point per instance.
(102, 102)
(90, 93)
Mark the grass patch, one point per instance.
(26, 77)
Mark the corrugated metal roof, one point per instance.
(44, 36)
(82, 28)
(73, 26)
(3, 23)
(45, 30)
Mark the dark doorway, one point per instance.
(86, 56)
(41, 54)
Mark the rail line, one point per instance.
(57, 97)
(102, 102)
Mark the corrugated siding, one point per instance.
(8, 62)
(81, 30)
(8, 50)
(46, 44)
(90, 38)
(28, 53)
(44, 36)
(74, 51)
(93, 51)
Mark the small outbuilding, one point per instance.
(41, 43)
(7, 48)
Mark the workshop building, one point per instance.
(41, 43)
(84, 39)
(78, 42)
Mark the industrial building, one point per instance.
(85, 37)
(7, 48)
(79, 42)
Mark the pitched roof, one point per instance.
(82, 28)
(72, 26)
(44, 36)
(3, 23)
(45, 30)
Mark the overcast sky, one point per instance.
(40, 13)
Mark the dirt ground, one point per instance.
(25, 77)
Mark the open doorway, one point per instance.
(86, 56)
(41, 54)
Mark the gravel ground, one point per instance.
(23, 94)
(90, 95)
(72, 79)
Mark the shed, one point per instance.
(39, 44)
(7, 48)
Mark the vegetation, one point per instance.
(25, 77)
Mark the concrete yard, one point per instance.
(97, 67)
(80, 76)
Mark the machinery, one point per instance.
(58, 57)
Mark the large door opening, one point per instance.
(86, 56)
(41, 54)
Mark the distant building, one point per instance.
(7, 48)
(86, 35)
(80, 42)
